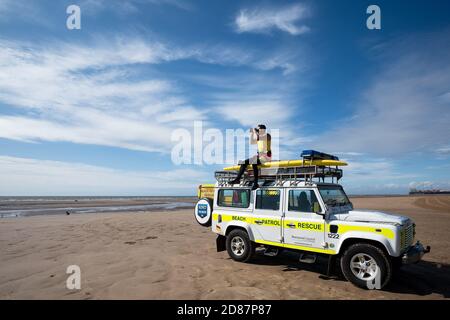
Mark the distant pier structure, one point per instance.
(429, 191)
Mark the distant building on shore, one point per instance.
(429, 191)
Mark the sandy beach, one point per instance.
(167, 255)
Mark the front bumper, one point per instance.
(414, 253)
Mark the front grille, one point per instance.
(407, 236)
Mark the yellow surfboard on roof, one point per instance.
(293, 163)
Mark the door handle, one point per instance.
(291, 225)
(258, 221)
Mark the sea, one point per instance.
(16, 207)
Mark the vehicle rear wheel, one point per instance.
(239, 246)
(366, 266)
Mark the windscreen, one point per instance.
(333, 195)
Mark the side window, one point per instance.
(238, 198)
(302, 200)
(267, 199)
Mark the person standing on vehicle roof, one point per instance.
(262, 139)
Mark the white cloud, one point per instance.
(96, 94)
(251, 113)
(97, 128)
(186, 114)
(276, 114)
(374, 176)
(287, 60)
(443, 150)
(246, 99)
(348, 154)
(430, 185)
(402, 109)
(91, 95)
(11, 10)
(262, 20)
(373, 170)
(43, 177)
(129, 6)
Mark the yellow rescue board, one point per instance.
(293, 163)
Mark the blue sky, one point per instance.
(91, 111)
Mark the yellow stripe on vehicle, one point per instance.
(249, 220)
(293, 246)
(303, 225)
(342, 228)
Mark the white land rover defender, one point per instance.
(294, 209)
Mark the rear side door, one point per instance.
(267, 215)
(302, 227)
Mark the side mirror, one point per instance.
(316, 207)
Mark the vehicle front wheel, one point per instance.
(239, 246)
(366, 266)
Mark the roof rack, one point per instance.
(294, 174)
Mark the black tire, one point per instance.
(396, 266)
(367, 251)
(248, 249)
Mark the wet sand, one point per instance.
(167, 255)
(36, 206)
